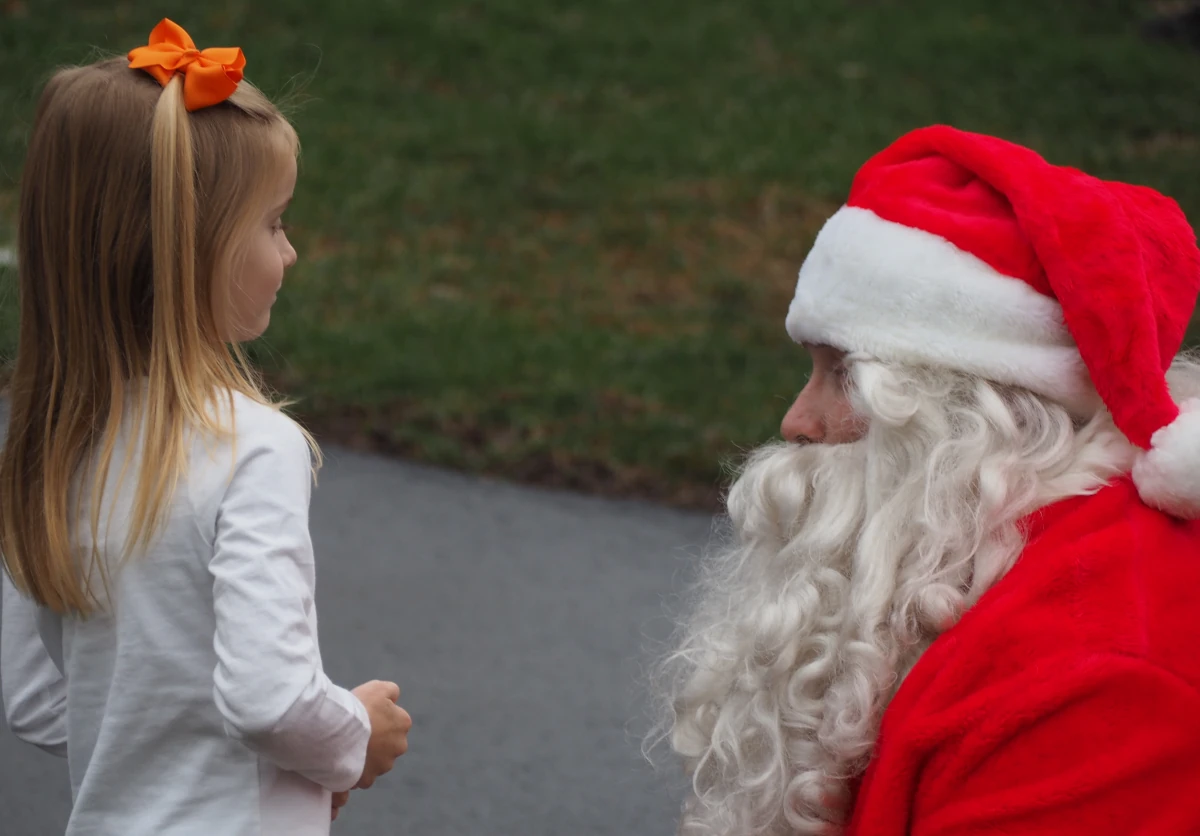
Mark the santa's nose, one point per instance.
(803, 422)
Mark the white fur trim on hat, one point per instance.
(1168, 474)
(906, 295)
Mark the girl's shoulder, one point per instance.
(254, 420)
(251, 429)
(260, 452)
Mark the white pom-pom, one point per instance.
(1168, 474)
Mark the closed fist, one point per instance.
(389, 728)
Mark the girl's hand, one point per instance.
(339, 801)
(389, 728)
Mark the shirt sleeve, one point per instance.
(1105, 744)
(269, 684)
(34, 690)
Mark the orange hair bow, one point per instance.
(210, 76)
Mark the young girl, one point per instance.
(158, 621)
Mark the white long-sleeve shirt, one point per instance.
(195, 704)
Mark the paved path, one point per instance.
(516, 621)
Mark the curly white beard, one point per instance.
(843, 564)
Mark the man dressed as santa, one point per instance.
(964, 596)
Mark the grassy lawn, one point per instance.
(555, 240)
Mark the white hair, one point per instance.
(843, 563)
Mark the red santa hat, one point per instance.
(968, 252)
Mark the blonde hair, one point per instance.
(843, 564)
(133, 220)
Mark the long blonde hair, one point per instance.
(133, 221)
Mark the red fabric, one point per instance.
(1067, 701)
(1121, 260)
(912, 184)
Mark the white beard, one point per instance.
(844, 563)
(793, 663)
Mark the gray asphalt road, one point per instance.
(516, 622)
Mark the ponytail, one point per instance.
(175, 337)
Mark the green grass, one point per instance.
(556, 241)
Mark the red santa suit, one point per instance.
(1067, 700)
(1064, 699)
